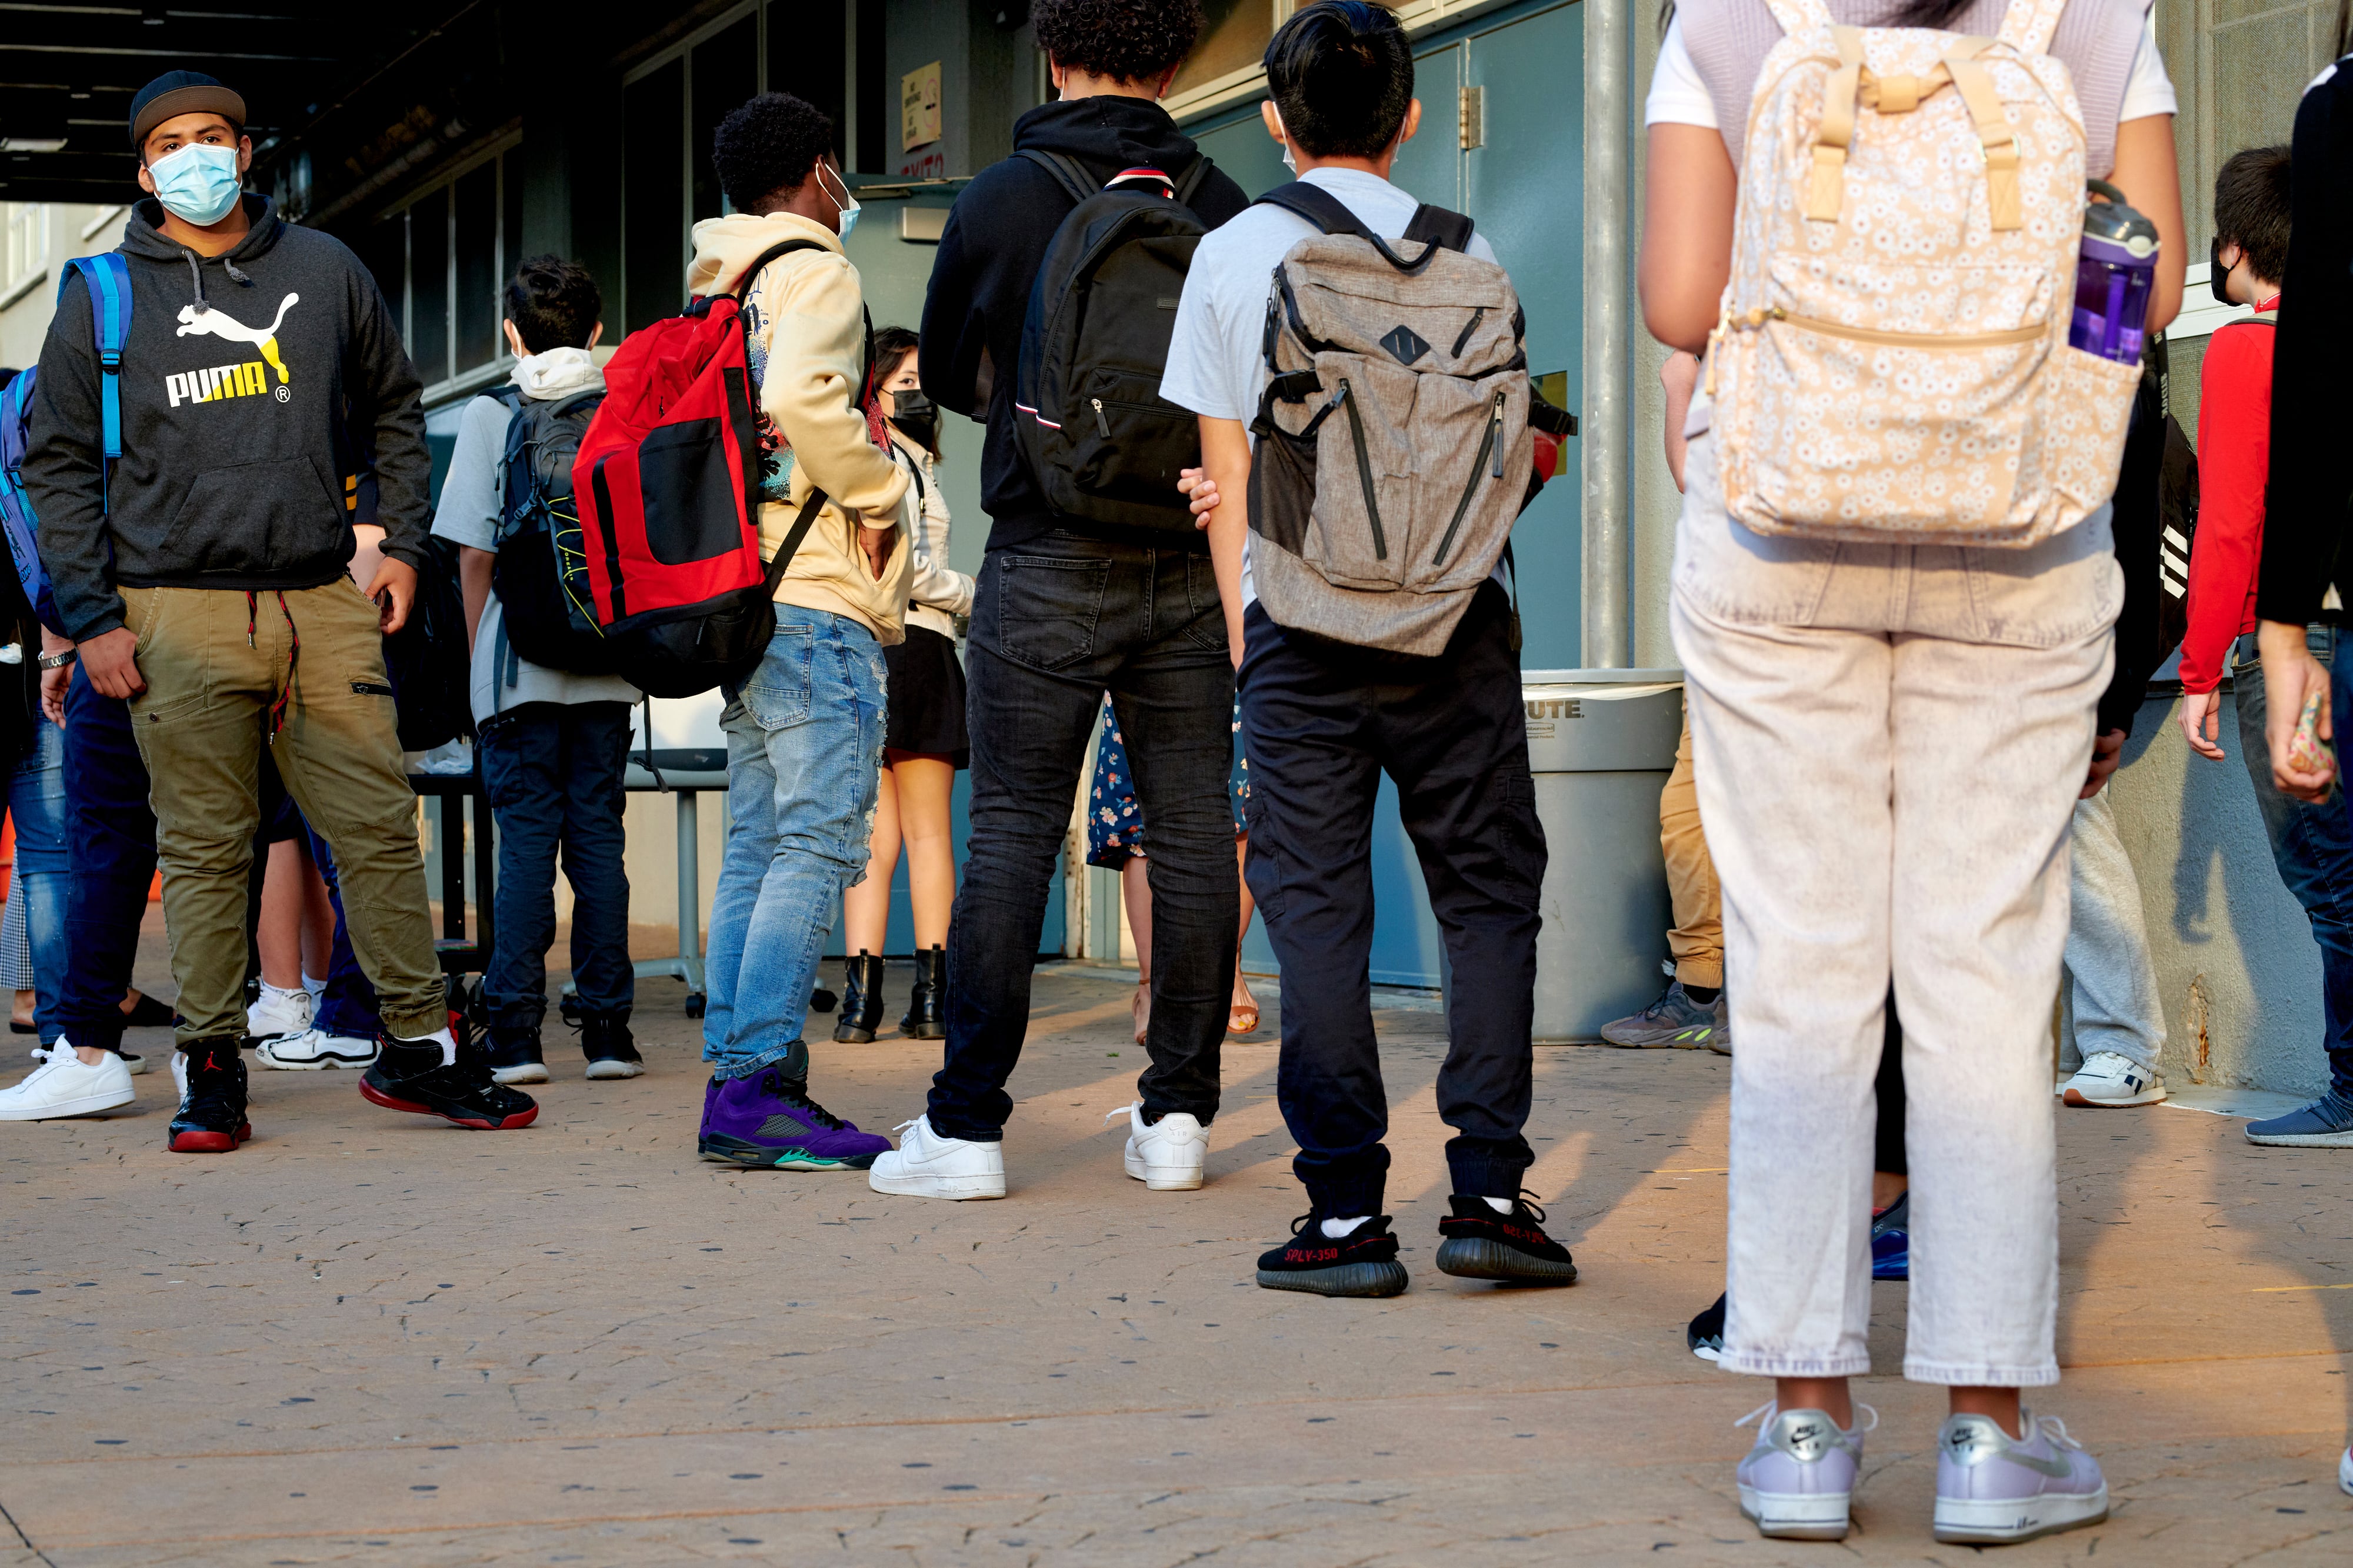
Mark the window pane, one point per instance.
(384, 249)
(477, 267)
(653, 197)
(805, 56)
(727, 72)
(428, 285)
(512, 222)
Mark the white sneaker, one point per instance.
(63, 1085)
(2344, 1473)
(926, 1166)
(278, 1013)
(1166, 1155)
(312, 1050)
(2108, 1080)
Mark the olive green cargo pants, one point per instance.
(223, 670)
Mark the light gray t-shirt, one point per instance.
(1216, 358)
(468, 515)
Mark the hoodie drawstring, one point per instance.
(294, 656)
(196, 278)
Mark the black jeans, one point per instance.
(1321, 722)
(553, 771)
(1055, 625)
(111, 846)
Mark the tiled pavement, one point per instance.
(366, 1338)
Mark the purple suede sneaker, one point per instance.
(1992, 1489)
(768, 1121)
(1797, 1482)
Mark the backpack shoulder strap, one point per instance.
(800, 531)
(108, 279)
(1190, 179)
(2263, 318)
(1068, 172)
(761, 263)
(1435, 225)
(2027, 24)
(1318, 206)
(1331, 215)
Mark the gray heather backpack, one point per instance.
(1394, 438)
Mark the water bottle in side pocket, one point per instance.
(2115, 273)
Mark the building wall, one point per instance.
(28, 299)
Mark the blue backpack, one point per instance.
(108, 279)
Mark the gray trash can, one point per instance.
(1601, 743)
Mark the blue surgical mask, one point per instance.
(198, 183)
(849, 211)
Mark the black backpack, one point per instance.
(1097, 437)
(427, 657)
(541, 575)
(2156, 446)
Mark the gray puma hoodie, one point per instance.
(253, 386)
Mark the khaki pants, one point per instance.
(215, 663)
(1696, 943)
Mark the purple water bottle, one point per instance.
(2114, 274)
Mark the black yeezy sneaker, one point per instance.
(1483, 1244)
(1706, 1335)
(611, 1049)
(408, 1075)
(1361, 1263)
(211, 1118)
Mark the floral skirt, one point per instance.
(1114, 820)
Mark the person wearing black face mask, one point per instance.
(924, 735)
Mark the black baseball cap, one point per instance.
(180, 92)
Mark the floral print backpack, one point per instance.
(1891, 365)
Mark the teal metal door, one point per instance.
(1522, 183)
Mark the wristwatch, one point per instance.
(59, 660)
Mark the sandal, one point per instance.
(1242, 1018)
(1142, 1009)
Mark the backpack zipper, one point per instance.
(1487, 443)
(1364, 472)
(1758, 317)
(1102, 424)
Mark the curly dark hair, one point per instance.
(553, 303)
(766, 147)
(2251, 208)
(1127, 40)
(1341, 75)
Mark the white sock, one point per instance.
(268, 991)
(442, 1038)
(1337, 1228)
(317, 988)
(1500, 1206)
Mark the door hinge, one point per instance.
(1472, 122)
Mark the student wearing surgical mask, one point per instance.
(924, 737)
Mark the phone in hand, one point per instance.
(2306, 751)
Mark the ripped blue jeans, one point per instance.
(804, 754)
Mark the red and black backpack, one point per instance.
(668, 485)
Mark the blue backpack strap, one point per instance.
(108, 279)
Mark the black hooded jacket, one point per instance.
(990, 256)
(250, 382)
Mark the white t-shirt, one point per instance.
(1678, 96)
(1217, 356)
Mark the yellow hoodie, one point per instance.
(805, 311)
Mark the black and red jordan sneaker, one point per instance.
(211, 1118)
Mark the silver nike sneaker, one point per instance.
(1674, 1021)
(1993, 1488)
